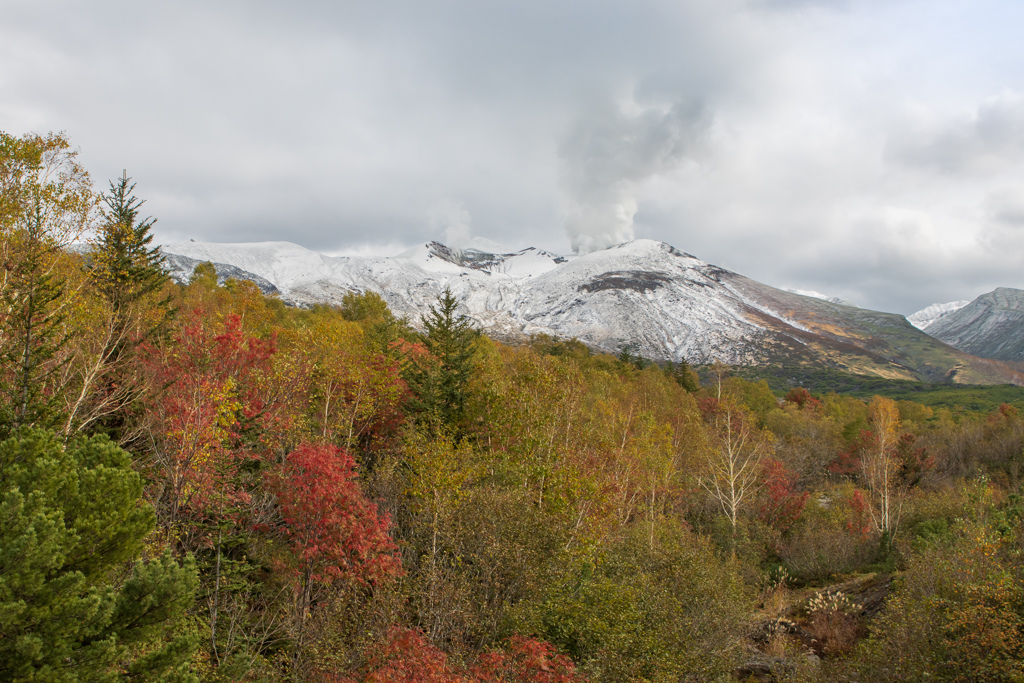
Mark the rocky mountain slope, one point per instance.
(668, 304)
(924, 318)
(991, 326)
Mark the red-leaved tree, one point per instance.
(332, 532)
(408, 657)
(212, 394)
(782, 505)
(213, 411)
(803, 399)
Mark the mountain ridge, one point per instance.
(667, 304)
(990, 326)
(928, 315)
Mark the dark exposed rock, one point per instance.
(636, 280)
(763, 669)
(180, 268)
(479, 260)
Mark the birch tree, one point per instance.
(46, 203)
(880, 464)
(732, 470)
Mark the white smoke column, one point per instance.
(454, 219)
(608, 154)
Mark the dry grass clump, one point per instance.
(832, 620)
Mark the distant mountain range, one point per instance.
(666, 304)
(991, 326)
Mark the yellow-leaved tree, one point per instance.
(879, 465)
(46, 203)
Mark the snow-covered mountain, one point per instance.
(991, 326)
(930, 314)
(668, 304)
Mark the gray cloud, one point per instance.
(988, 139)
(864, 149)
(1006, 206)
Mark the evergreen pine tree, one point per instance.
(684, 375)
(128, 274)
(126, 268)
(73, 523)
(440, 386)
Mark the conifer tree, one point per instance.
(73, 523)
(128, 277)
(684, 375)
(126, 268)
(439, 384)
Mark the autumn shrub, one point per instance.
(349, 623)
(752, 540)
(407, 656)
(831, 540)
(667, 610)
(816, 554)
(510, 550)
(961, 499)
(486, 550)
(525, 660)
(955, 615)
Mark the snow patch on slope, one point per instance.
(670, 304)
(931, 314)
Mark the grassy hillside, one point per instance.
(820, 334)
(971, 397)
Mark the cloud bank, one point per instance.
(866, 149)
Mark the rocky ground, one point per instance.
(797, 629)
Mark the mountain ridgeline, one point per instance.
(665, 304)
(991, 326)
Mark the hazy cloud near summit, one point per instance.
(864, 149)
(607, 153)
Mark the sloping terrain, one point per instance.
(930, 314)
(668, 304)
(181, 267)
(991, 326)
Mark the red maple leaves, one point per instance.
(332, 530)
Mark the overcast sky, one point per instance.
(867, 149)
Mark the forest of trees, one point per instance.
(198, 482)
